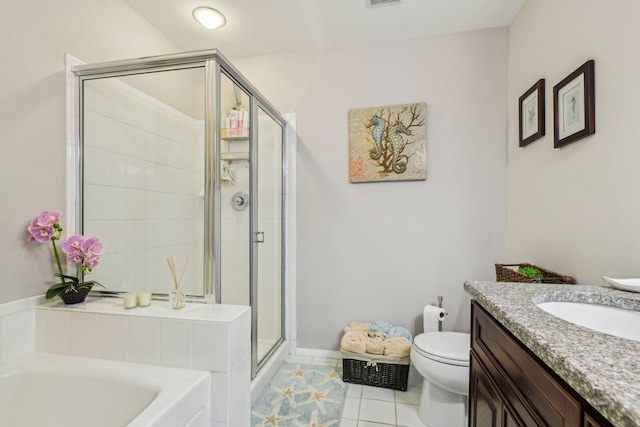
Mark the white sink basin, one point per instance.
(610, 320)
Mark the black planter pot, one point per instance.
(74, 296)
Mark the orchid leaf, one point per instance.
(72, 278)
(57, 288)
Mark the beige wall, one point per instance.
(382, 251)
(375, 251)
(575, 210)
(365, 251)
(36, 35)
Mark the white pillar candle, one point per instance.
(130, 300)
(144, 298)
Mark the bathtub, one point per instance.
(44, 389)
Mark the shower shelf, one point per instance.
(235, 138)
(241, 134)
(234, 156)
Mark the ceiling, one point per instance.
(259, 27)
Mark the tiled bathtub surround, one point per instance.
(602, 368)
(18, 328)
(215, 338)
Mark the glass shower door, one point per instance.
(142, 188)
(235, 190)
(251, 192)
(268, 237)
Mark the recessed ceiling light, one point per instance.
(208, 17)
(375, 3)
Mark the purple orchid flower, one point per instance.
(80, 250)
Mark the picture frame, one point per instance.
(574, 106)
(532, 118)
(388, 143)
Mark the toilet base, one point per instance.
(441, 408)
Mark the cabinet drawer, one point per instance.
(536, 396)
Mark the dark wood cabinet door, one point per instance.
(590, 422)
(593, 419)
(508, 420)
(485, 404)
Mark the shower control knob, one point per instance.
(240, 201)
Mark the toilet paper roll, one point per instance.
(432, 317)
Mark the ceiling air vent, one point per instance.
(376, 3)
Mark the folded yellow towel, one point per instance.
(356, 326)
(354, 341)
(397, 347)
(375, 346)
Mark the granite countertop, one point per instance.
(603, 369)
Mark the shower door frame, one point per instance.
(214, 65)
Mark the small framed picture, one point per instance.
(574, 106)
(532, 114)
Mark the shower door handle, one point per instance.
(259, 237)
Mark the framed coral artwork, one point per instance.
(388, 143)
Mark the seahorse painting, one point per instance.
(377, 132)
(396, 143)
(388, 143)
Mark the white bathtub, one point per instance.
(43, 389)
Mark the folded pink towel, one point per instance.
(354, 341)
(397, 347)
(356, 326)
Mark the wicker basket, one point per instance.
(505, 274)
(375, 370)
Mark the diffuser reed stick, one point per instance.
(179, 301)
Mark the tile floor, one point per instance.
(368, 406)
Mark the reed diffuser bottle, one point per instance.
(176, 296)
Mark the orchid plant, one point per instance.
(81, 251)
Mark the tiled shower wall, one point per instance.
(144, 197)
(235, 239)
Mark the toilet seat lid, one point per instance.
(446, 347)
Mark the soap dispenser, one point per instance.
(234, 121)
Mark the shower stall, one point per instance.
(180, 156)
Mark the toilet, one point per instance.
(442, 358)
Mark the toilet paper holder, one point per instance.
(440, 304)
(445, 312)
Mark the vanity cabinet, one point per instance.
(509, 386)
